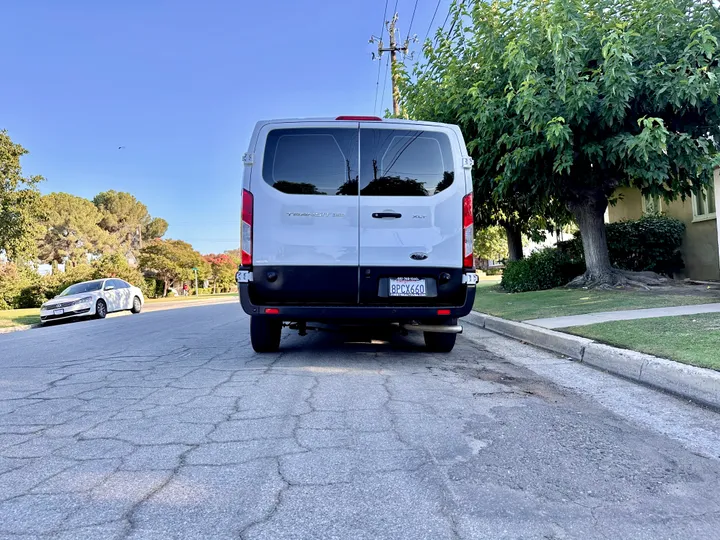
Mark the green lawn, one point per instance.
(493, 300)
(692, 339)
(18, 317)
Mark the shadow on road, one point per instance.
(352, 340)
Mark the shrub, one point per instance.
(57, 283)
(12, 281)
(34, 295)
(651, 243)
(149, 287)
(116, 266)
(544, 269)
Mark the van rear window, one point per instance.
(404, 162)
(312, 161)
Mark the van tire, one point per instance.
(265, 334)
(440, 342)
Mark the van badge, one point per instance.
(419, 256)
(316, 214)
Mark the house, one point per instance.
(701, 245)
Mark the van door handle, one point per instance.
(380, 215)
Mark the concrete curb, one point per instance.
(18, 328)
(697, 384)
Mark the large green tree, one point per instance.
(605, 94)
(154, 228)
(462, 81)
(222, 270)
(20, 206)
(128, 220)
(70, 230)
(615, 93)
(491, 244)
(172, 260)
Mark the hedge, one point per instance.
(651, 243)
(544, 269)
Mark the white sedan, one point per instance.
(94, 298)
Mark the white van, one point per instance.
(356, 220)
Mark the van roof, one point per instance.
(348, 118)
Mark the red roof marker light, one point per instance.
(360, 118)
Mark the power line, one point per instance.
(411, 21)
(377, 83)
(455, 20)
(382, 26)
(445, 22)
(387, 66)
(377, 88)
(432, 21)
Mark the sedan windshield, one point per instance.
(80, 288)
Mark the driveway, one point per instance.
(167, 425)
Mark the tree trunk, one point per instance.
(599, 273)
(514, 240)
(165, 287)
(590, 218)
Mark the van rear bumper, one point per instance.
(316, 313)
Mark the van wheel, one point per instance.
(265, 334)
(440, 342)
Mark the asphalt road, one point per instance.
(166, 425)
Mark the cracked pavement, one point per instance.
(167, 425)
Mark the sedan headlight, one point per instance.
(84, 301)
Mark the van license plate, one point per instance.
(407, 287)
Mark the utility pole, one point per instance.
(393, 50)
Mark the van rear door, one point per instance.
(412, 185)
(305, 233)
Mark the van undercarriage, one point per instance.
(438, 323)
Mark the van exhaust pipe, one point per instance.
(435, 328)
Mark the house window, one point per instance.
(704, 204)
(651, 204)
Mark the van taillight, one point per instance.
(468, 231)
(246, 236)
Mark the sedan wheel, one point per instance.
(100, 309)
(137, 305)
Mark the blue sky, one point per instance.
(180, 85)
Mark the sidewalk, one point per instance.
(161, 306)
(698, 384)
(627, 315)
